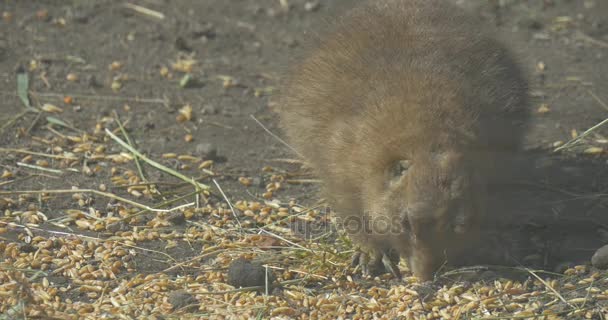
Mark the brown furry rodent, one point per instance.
(402, 111)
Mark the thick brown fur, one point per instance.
(415, 80)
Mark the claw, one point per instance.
(364, 263)
(355, 259)
(391, 266)
(375, 265)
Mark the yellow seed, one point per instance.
(72, 77)
(206, 164)
(115, 65)
(544, 108)
(164, 72)
(6, 174)
(593, 150)
(51, 108)
(116, 85)
(245, 181)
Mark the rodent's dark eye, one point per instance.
(398, 169)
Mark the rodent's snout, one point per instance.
(424, 263)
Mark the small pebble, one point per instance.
(117, 226)
(312, 5)
(176, 217)
(243, 273)
(180, 298)
(600, 258)
(209, 109)
(206, 150)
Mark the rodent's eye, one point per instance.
(398, 169)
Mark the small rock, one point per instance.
(209, 109)
(176, 218)
(603, 233)
(182, 45)
(531, 23)
(258, 182)
(312, 6)
(199, 30)
(243, 273)
(92, 81)
(206, 150)
(82, 16)
(117, 226)
(28, 248)
(180, 299)
(600, 258)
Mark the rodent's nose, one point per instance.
(423, 266)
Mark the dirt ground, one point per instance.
(193, 81)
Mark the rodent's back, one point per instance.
(387, 71)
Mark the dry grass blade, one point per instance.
(581, 136)
(286, 241)
(146, 11)
(100, 97)
(588, 38)
(275, 136)
(40, 154)
(31, 166)
(76, 235)
(97, 192)
(600, 101)
(157, 165)
(229, 203)
(557, 294)
(199, 257)
(124, 133)
(163, 204)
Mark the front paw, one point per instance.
(376, 263)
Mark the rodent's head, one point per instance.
(435, 200)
